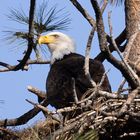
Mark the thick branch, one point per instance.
(5, 65)
(24, 118)
(30, 39)
(91, 21)
(119, 40)
(103, 46)
(119, 53)
(88, 48)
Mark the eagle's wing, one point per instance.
(59, 86)
(75, 66)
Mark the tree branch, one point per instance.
(86, 15)
(24, 118)
(29, 62)
(74, 91)
(119, 40)
(105, 2)
(40, 94)
(86, 65)
(30, 35)
(119, 53)
(103, 47)
(30, 43)
(129, 100)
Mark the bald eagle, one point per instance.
(65, 65)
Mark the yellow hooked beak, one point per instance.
(46, 39)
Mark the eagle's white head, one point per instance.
(59, 44)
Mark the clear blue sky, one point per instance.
(13, 85)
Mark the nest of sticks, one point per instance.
(98, 115)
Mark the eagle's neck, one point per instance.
(60, 52)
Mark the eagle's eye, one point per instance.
(56, 36)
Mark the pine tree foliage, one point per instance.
(46, 19)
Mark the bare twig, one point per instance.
(86, 65)
(109, 95)
(31, 62)
(106, 94)
(76, 124)
(86, 15)
(84, 12)
(23, 118)
(65, 109)
(61, 110)
(8, 67)
(79, 116)
(130, 99)
(119, 40)
(129, 45)
(121, 86)
(39, 106)
(93, 94)
(39, 93)
(74, 91)
(44, 109)
(110, 25)
(5, 65)
(103, 78)
(105, 2)
(125, 89)
(130, 134)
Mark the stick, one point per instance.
(86, 65)
(39, 93)
(130, 99)
(83, 12)
(23, 118)
(74, 91)
(119, 53)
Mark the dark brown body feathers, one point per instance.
(59, 81)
